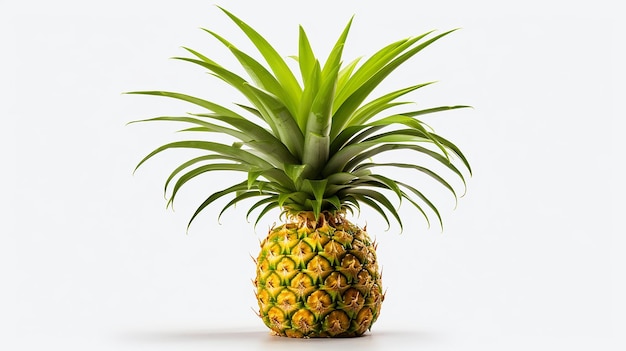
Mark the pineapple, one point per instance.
(318, 278)
(306, 146)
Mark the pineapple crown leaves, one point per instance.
(307, 143)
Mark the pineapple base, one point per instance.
(318, 278)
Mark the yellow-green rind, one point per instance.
(318, 278)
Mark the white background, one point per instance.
(91, 260)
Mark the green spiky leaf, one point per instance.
(318, 144)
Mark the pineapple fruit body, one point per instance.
(318, 278)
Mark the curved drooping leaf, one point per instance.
(270, 206)
(354, 162)
(374, 199)
(243, 186)
(387, 182)
(354, 133)
(238, 198)
(380, 104)
(193, 162)
(194, 100)
(421, 169)
(454, 149)
(205, 169)
(425, 200)
(221, 149)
